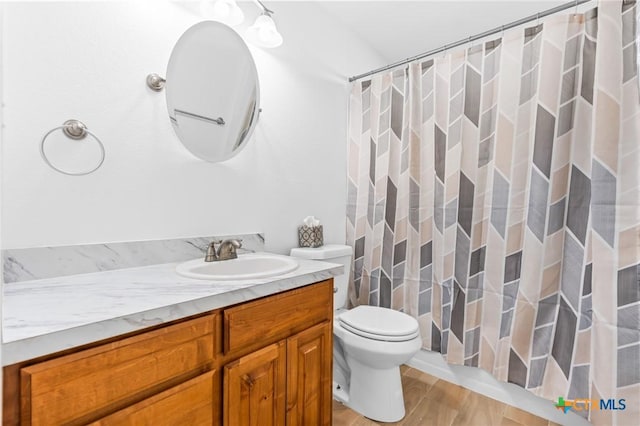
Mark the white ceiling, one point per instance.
(401, 29)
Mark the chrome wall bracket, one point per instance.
(74, 129)
(155, 82)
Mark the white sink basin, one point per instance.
(245, 267)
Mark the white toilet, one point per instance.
(369, 345)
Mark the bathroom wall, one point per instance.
(1, 135)
(88, 60)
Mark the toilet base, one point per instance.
(375, 393)
(340, 394)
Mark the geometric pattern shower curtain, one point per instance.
(493, 194)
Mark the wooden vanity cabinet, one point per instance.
(263, 362)
(289, 381)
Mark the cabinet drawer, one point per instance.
(190, 403)
(272, 318)
(89, 384)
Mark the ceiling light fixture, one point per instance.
(225, 11)
(263, 32)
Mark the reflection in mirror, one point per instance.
(212, 91)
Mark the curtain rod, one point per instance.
(460, 42)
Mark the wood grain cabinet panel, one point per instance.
(190, 403)
(272, 318)
(254, 388)
(266, 362)
(309, 372)
(86, 385)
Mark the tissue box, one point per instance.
(310, 236)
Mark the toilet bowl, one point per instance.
(373, 352)
(369, 344)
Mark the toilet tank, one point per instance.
(334, 253)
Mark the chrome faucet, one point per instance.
(226, 250)
(211, 255)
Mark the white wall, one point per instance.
(88, 60)
(1, 155)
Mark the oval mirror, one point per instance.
(212, 91)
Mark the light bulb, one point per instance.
(264, 33)
(221, 9)
(225, 11)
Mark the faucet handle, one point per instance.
(236, 242)
(212, 254)
(227, 249)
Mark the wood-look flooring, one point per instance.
(431, 401)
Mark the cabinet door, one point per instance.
(309, 367)
(254, 388)
(190, 403)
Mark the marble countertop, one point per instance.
(44, 316)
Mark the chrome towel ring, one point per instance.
(75, 130)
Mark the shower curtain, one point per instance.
(493, 194)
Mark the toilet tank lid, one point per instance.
(328, 251)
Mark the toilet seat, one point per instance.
(379, 337)
(378, 323)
